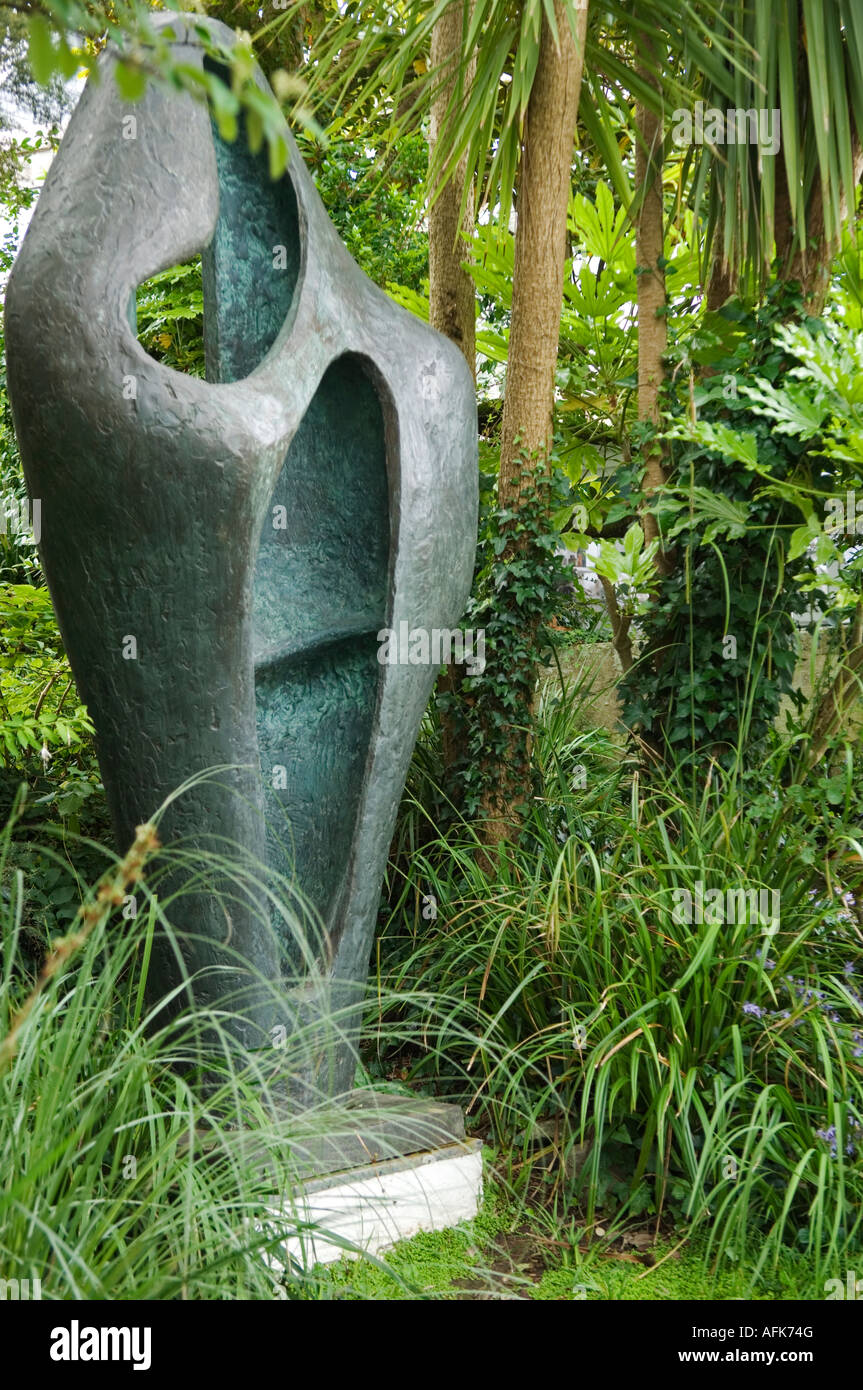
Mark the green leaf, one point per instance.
(225, 105)
(131, 81)
(799, 543)
(67, 61)
(737, 446)
(494, 346)
(574, 540)
(700, 507)
(41, 50)
(412, 301)
(255, 130)
(278, 152)
(792, 408)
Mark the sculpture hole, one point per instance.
(169, 317)
(320, 598)
(253, 264)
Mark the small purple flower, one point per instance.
(830, 1137)
(793, 986)
(848, 968)
(754, 1009)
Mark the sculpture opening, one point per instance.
(320, 598)
(253, 264)
(165, 316)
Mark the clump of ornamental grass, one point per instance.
(103, 1194)
(144, 1154)
(696, 1065)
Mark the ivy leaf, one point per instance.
(826, 552)
(582, 459)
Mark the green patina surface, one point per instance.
(248, 534)
(320, 584)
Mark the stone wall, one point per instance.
(597, 665)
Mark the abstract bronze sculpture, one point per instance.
(223, 553)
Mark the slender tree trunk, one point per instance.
(620, 625)
(839, 699)
(652, 332)
(452, 298)
(652, 339)
(545, 179)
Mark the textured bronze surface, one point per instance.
(251, 532)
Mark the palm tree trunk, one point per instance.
(545, 178)
(810, 265)
(540, 250)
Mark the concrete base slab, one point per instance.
(368, 1209)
